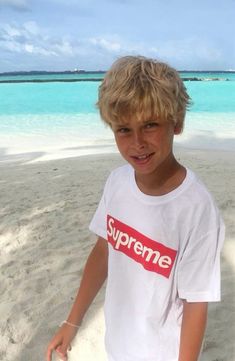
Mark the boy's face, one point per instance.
(146, 145)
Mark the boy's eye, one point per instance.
(151, 125)
(123, 130)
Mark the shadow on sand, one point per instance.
(45, 211)
(46, 241)
(7, 159)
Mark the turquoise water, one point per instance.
(73, 98)
(48, 98)
(214, 97)
(65, 114)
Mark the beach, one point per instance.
(46, 207)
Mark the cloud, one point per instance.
(196, 53)
(188, 53)
(19, 5)
(32, 28)
(64, 47)
(106, 44)
(37, 45)
(114, 44)
(28, 39)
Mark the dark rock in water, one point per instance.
(48, 80)
(192, 79)
(205, 79)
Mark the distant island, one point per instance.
(44, 72)
(98, 77)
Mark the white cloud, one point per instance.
(27, 38)
(191, 51)
(30, 39)
(11, 31)
(35, 50)
(31, 42)
(29, 48)
(31, 27)
(64, 47)
(12, 46)
(113, 46)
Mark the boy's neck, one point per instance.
(164, 180)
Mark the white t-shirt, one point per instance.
(162, 249)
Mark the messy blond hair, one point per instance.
(143, 88)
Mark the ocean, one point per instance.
(59, 118)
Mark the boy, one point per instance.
(159, 231)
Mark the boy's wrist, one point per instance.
(65, 322)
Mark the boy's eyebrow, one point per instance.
(120, 124)
(152, 119)
(127, 124)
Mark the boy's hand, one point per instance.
(61, 342)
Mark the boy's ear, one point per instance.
(177, 129)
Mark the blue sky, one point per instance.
(91, 34)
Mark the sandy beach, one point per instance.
(44, 241)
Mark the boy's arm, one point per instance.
(192, 330)
(94, 275)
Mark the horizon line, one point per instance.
(41, 72)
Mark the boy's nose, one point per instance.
(139, 140)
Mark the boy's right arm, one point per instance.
(94, 275)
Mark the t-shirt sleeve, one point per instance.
(198, 275)
(98, 223)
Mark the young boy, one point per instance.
(159, 231)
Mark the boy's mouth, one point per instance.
(144, 158)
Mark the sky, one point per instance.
(58, 35)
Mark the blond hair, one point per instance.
(143, 88)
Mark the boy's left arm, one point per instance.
(192, 330)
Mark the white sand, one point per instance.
(44, 241)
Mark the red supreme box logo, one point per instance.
(153, 256)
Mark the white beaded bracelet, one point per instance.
(70, 324)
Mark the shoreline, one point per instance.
(42, 148)
(44, 239)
